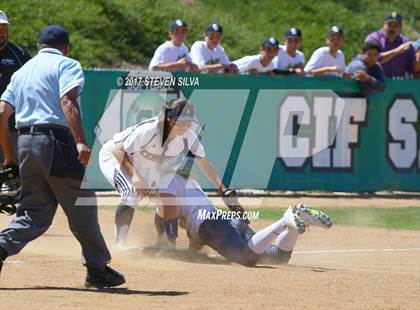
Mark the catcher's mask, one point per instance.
(9, 189)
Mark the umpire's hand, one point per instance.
(84, 153)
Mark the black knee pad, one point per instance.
(171, 228)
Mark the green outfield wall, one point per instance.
(276, 133)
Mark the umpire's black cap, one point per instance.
(178, 23)
(393, 17)
(335, 29)
(293, 33)
(213, 28)
(54, 34)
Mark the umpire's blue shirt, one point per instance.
(36, 89)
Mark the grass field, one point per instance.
(389, 218)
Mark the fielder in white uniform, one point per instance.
(149, 159)
(261, 63)
(289, 59)
(328, 60)
(209, 55)
(173, 55)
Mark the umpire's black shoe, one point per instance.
(3, 256)
(103, 278)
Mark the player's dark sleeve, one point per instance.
(22, 53)
(26, 56)
(284, 71)
(377, 84)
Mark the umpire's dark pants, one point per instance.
(41, 194)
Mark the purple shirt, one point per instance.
(401, 65)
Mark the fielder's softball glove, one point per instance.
(230, 198)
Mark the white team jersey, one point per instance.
(323, 58)
(143, 144)
(252, 62)
(169, 52)
(284, 61)
(201, 55)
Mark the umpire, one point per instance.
(52, 153)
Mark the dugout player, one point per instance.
(12, 58)
(328, 60)
(52, 153)
(237, 242)
(261, 63)
(289, 59)
(173, 55)
(209, 55)
(366, 69)
(144, 159)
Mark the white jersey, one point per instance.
(252, 62)
(169, 52)
(201, 55)
(284, 61)
(323, 58)
(143, 144)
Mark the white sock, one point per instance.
(286, 241)
(262, 239)
(121, 234)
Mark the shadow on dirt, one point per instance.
(188, 256)
(119, 291)
(184, 255)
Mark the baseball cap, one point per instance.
(178, 23)
(269, 43)
(3, 18)
(335, 29)
(180, 108)
(393, 17)
(293, 33)
(213, 28)
(54, 34)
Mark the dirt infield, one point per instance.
(384, 274)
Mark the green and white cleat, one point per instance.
(312, 216)
(293, 220)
